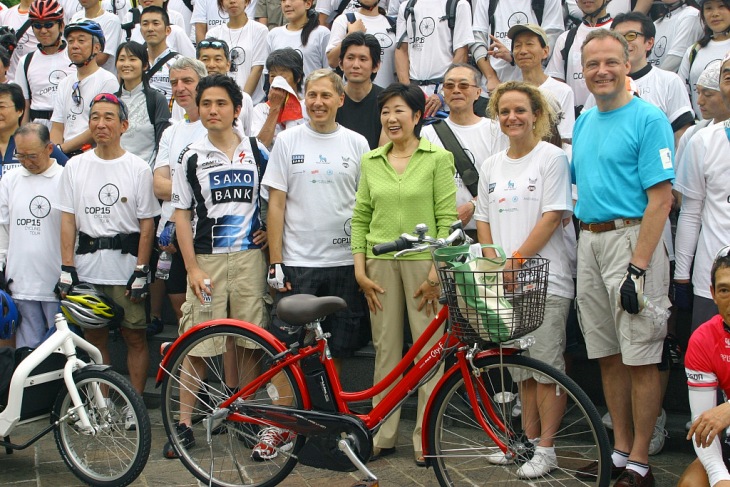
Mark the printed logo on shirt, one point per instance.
(227, 230)
(39, 208)
(238, 56)
(532, 184)
(108, 196)
(517, 18)
(660, 47)
(322, 160)
(384, 40)
(297, 159)
(510, 185)
(233, 185)
(344, 241)
(492, 186)
(210, 164)
(727, 342)
(427, 26)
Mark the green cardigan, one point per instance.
(388, 204)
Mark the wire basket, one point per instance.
(495, 306)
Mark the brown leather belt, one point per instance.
(608, 226)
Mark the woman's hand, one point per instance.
(465, 212)
(371, 289)
(429, 297)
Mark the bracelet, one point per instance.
(519, 257)
(474, 203)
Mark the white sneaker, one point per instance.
(541, 464)
(498, 458)
(130, 422)
(657, 437)
(517, 408)
(607, 421)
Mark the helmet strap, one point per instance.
(58, 43)
(85, 63)
(592, 18)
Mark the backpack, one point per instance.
(450, 16)
(129, 26)
(538, 6)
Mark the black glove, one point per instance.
(683, 295)
(137, 285)
(3, 284)
(631, 290)
(69, 278)
(277, 276)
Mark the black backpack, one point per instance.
(450, 15)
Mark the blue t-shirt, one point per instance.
(617, 156)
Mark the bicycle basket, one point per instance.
(487, 303)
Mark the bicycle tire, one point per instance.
(230, 452)
(114, 456)
(459, 449)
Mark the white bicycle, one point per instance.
(87, 403)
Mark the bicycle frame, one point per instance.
(64, 341)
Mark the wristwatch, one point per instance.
(142, 268)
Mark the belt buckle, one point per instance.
(619, 223)
(103, 243)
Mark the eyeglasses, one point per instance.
(43, 25)
(76, 94)
(632, 35)
(463, 85)
(108, 97)
(27, 157)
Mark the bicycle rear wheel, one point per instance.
(463, 454)
(205, 367)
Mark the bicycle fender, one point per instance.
(95, 367)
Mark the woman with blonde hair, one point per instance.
(525, 194)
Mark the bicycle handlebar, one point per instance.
(407, 244)
(398, 244)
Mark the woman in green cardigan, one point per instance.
(406, 182)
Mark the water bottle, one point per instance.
(657, 314)
(163, 265)
(205, 312)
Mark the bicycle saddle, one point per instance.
(301, 309)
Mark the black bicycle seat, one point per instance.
(301, 309)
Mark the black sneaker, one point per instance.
(188, 441)
(155, 326)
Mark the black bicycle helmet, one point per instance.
(89, 308)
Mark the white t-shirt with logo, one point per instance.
(107, 198)
(518, 192)
(712, 51)
(28, 43)
(480, 141)
(112, 28)
(319, 174)
(380, 28)
(173, 142)
(431, 49)
(314, 53)
(675, 33)
(28, 209)
(75, 116)
(207, 12)
(564, 100)
(248, 49)
(327, 7)
(45, 72)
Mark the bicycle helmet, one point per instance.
(45, 10)
(89, 308)
(88, 26)
(9, 318)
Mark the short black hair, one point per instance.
(362, 39)
(16, 96)
(290, 59)
(135, 49)
(4, 56)
(209, 45)
(40, 130)
(647, 26)
(721, 261)
(411, 94)
(155, 9)
(221, 81)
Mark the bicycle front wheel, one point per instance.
(205, 369)
(463, 454)
(116, 453)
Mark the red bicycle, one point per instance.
(471, 436)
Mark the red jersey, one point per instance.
(707, 362)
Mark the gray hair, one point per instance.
(37, 129)
(188, 62)
(474, 71)
(599, 34)
(318, 74)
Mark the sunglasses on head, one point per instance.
(214, 44)
(108, 97)
(76, 93)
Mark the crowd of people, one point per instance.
(254, 142)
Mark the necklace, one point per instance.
(401, 157)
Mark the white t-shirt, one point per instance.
(556, 66)
(684, 140)
(112, 28)
(229, 191)
(179, 7)
(518, 192)
(712, 51)
(480, 141)
(614, 8)
(75, 116)
(508, 14)
(45, 72)
(380, 28)
(314, 53)
(328, 7)
(248, 47)
(261, 112)
(703, 176)
(675, 33)
(172, 144)
(28, 43)
(319, 173)
(27, 208)
(107, 197)
(177, 40)
(116, 7)
(207, 12)
(431, 49)
(564, 100)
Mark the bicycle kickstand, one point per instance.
(345, 446)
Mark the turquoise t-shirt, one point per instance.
(617, 156)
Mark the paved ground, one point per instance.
(41, 464)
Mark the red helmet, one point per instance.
(45, 10)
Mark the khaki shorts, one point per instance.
(135, 317)
(549, 338)
(239, 292)
(608, 329)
